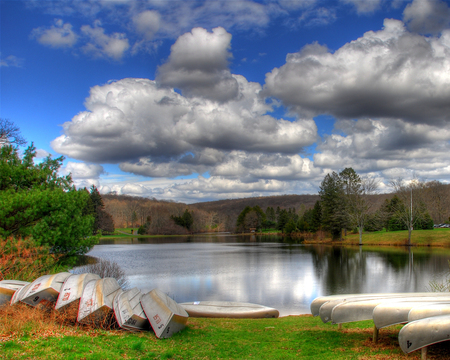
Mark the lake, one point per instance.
(265, 270)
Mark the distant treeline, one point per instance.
(297, 212)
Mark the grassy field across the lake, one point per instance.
(33, 334)
(435, 237)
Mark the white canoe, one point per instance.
(359, 310)
(421, 333)
(426, 311)
(97, 300)
(8, 288)
(46, 287)
(73, 287)
(128, 310)
(18, 294)
(317, 303)
(393, 313)
(228, 309)
(325, 311)
(165, 315)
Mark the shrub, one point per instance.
(105, 268)
(141, 230)
(22, 259)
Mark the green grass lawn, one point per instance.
(436, 237)
(302, 337)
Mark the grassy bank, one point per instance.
(303, 337)
(436, 237)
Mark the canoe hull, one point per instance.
(421, 333)
(44, 288)
(429, 311)
(73, 287)
(128, 311)
(165, 315)
(223, 309)
(398, 312)
(96, 302)
(327, 309)
(8, 288)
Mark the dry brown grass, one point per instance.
(43, 321)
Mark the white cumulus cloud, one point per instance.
(58, 35)
(83, 170)
(387, 73)
(102, 45)
(198, 65)
(427, 16)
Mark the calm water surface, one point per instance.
(265, 270)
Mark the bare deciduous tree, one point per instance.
(359, 204)
(412, 207)
(438, 200)
(10, 134)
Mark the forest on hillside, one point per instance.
(166, 217)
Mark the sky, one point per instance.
(196, 101)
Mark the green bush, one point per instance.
(141, 230)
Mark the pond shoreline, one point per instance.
(427, 238)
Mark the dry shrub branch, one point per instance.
(21, 259)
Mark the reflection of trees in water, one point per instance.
(344, 269)
(401, 258)
(83, 260)
(340, 267)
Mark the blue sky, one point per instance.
(203, 100)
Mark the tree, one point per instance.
(411, 208)
(333, 205)
(316, 217)
(387, 211)
(10, 134)
(250, 217)
(186, 220)
(102, 220)
(290, 227)
(438, 200)
(283, 219)
(36, 201)
(351, 185)
(358, 203)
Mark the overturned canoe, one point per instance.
(97, 300)
(128, 310)
(46, 287)
(317, 303)
(426, 311)
(165, 315)
(73, 287)
(18, 294)
(228, 309)
(8, 288)
(326, 309)
(359, 310)
(397, 312)
(421, 333)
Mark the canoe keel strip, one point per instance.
(427, 315)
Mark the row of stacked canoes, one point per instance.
(426, 315)
(96, 298)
